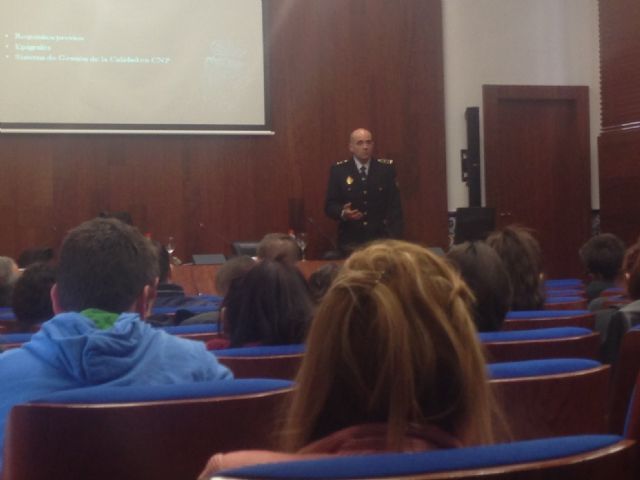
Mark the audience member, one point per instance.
(614, 323)
(9, 273)
(320, 281)
(521, 256)
(486, 276)
(31, 299)
(106, 279)
(123, 216)
(269, 305)
(602, 257)
(35, 255)
(393, 363)
(280, 247)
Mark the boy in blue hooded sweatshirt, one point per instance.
(106, 283)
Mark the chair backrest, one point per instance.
(202, 332)
(279, 361)
(596, 457)
(14, 340)
(158, 432)
(625, 373)
(565, 303)
(552, 397)
(632, 421)
(560, 342)
(562, 283)
(530, 319)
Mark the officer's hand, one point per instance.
(349, 213)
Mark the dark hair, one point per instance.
(521, 255)
(123, 216)
(164, 262)
(602, 255)
(486, 276)
(105, 264)
(35, 255)
(321, 280)
(31, 300)
(631, 266)
(280, 247)
(270, 305)
(230, 270)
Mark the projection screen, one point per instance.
(133, 65)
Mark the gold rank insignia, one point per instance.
(385, 161)
(349, 180)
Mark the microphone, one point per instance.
(321, 232)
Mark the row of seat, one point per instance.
(168, 432)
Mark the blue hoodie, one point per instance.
(71, 352)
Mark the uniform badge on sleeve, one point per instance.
(349, 180)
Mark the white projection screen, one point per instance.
(133, 65)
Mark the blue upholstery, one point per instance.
(187, 329)
(401, 464)
(564, 283)
(536, 334)
(526, 314)
(261, 351)
(15, 338)
(192, 308)
(532, 368)
(565, 292)
(551, 300)
(7, 315)
(146, 393)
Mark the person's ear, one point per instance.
(55, 299)
(145, 300)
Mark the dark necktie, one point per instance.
(363, 173)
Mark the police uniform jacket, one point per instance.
(376, 196)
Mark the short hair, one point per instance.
(486, 276)
(35, 255)
(602, 255)
(230, 270)
(31, 299)
(280, 247)
(320, 280)
(8, 277)
(520, 252)
(631, 267)
(104, 263)
(269, 305)
(164, 261)
(393, 342)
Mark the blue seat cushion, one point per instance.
(536, 334)
(534, 368)
(187, 329)
(526, 314)
(262, 351)
(216, 388)
(400, 464)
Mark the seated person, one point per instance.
(225, 275)
(280, 247)
(521, 256)
(106, 280)
(614, 322)
(31, 301)
(269, 305)
(484, 273)
(9, 274)
(602, 257)
(321, 280)
(392, 364)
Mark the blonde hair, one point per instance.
(393, 341)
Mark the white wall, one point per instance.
(515, 42)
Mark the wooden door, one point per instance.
(537, 167)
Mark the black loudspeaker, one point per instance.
(474, 223)
(471, 156)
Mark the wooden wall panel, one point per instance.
(619, 143)
(334, 65)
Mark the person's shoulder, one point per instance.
(384, 161)
(340, 164)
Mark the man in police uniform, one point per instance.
(363, 196)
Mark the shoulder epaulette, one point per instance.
(385, 161)
(342, 162)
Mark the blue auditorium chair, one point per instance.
(596, 457)
(530, 319)
(140, 432)
(269, 361)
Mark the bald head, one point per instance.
(361, 144)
